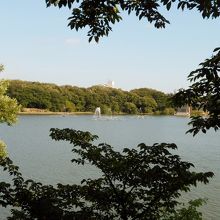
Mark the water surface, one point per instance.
(45, 160)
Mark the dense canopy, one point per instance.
(72, 98)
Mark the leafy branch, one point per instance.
(99, 16)
(203, 94)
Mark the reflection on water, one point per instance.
(48, 161)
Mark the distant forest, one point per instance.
(75, 99)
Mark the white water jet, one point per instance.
(97, 112)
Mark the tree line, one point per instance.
(75, 99)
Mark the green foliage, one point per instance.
(105, 110)
(140, 183)
(69, 98)
(69, 106)
(99, 16)
(190, 212)
(1, 67)
(153, 99)
(8, 110)
(168, 111)
(130, 108)
(197, 113)
(203, 94)
(3, 151)
(8, 106)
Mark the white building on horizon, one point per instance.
(110, 84)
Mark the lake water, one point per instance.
(45, 160)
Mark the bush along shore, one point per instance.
(45, 98)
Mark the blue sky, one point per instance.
(37, 45)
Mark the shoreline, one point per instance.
(90, 113)
(55, 113)
(34, 111)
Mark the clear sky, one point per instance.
(37, 45)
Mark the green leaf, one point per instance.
(168, 6)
